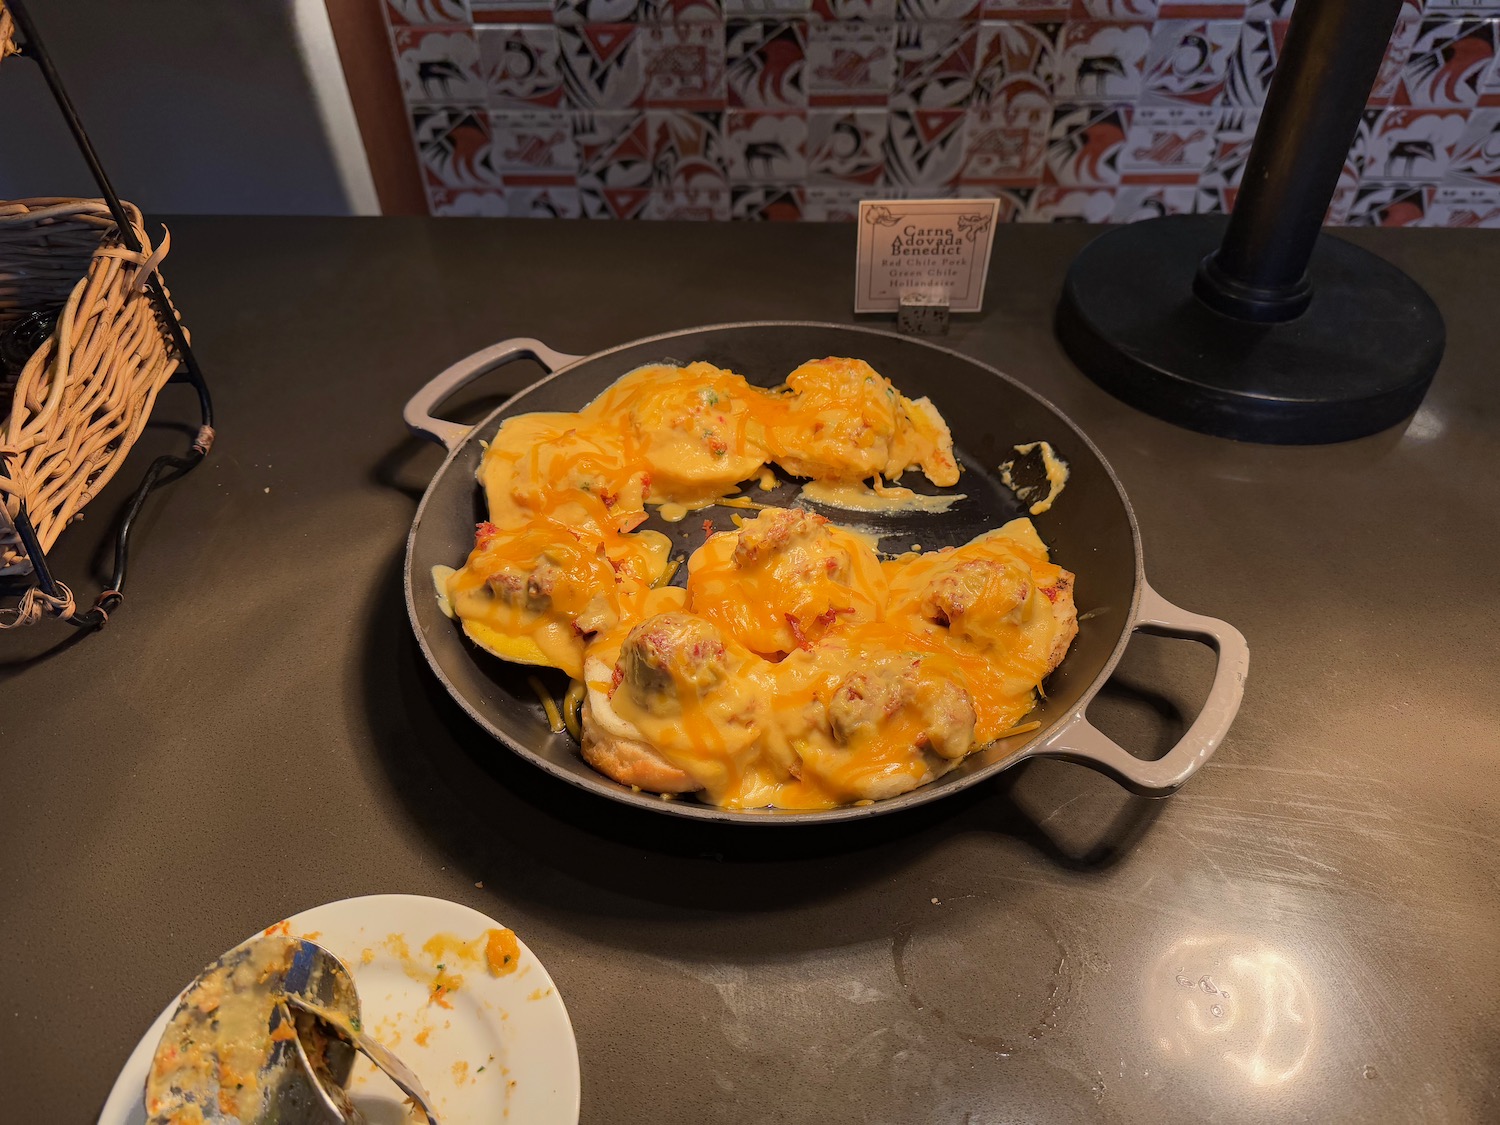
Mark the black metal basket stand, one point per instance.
(165, 468)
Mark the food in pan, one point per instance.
(794, 668)
(1054, 473)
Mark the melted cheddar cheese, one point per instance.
(784, 580)
(795, 669)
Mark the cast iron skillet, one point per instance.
(1091, 531)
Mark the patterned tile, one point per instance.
(683, 65)
(438, 65)
(1064, 110)
(850, 63)
(511, 11)
(1071, 205)
(687, 153)
(614, 151)
(1391, 205)
(828, 203)
(1015, 61)
(846, 146)
(488, 203)
(402, 13)
(1446, 64)
(574, 12)
(917, 10)
(1085, 143)
(764, 147)
(1189, 61)
(1359, 148)
(1202, 9)
(935, 65)
(598, 202)
(534, 141)
(766, 9)
(1006, 145)
(1012, 201)
(832, 204)
(684, 11)
(766, 61)
(601, 66)
(843, 11)
(924, 148)
(1035, 10)
(1411, 145)
(1388, 80)
(1466, 205)
(1212, 200)
(780, 204)
(1135, 203)
(550, 202)
(1464, 7)
(1252, 63)
(1101, 61)
(1136, 10)
(695, 206)
(1476, 156)
(623, 200)
(1489, 85)
(1168, 144)
(1344, 190)
(521, 65)
(1233, 136)
(453, 146)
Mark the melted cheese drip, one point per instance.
(856, 497)
(1053, 465)
(812, 623)
(440, 576)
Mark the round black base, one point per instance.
(1356, 362)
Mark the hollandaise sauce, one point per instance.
(795, 669)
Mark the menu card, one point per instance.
(924, 250)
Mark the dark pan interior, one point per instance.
(1090, 530)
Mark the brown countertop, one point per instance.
(256, 733)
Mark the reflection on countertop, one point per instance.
(1234, 1000)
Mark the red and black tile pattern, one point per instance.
(1064, 110)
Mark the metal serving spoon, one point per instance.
(394, 1069)
(267, 1033)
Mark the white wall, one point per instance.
(195, 106)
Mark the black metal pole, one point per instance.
(34, 49)
(1257, 326)
(1329, 62)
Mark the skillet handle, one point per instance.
(418, 412)
(1082, 742)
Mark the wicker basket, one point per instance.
(7, 34)
(84, 396)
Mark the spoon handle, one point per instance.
(393, 1068)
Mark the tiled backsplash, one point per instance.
(1093, 110)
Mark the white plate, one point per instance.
(514, 1026)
